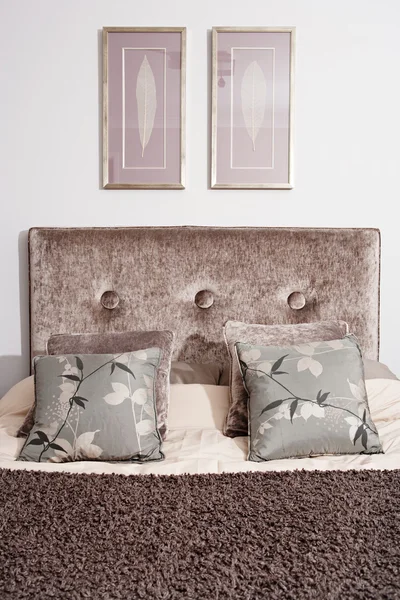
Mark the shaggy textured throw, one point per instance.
(299, 535)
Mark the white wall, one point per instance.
(347, 122)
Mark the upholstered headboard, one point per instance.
(192, 279)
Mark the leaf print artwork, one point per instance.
(253, 96)
(146, 98)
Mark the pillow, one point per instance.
(196, 406)
(189, 373)
(19, 399)
(266, 335)
(376, 370)
(306, 400)
(115, 343)
(95, 407)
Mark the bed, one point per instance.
(204, 522)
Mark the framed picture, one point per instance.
(144, 77)
(252, 107)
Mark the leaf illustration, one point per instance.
(71, 377)
(304, 363)
(322, 397)
(35, 442)
(42, 436)
(124, 368)
(307, 349)
(315, 368)
(293, 407)
(57, 447)
(140, 396)
(357, 391)
(145, 427)
(79, 402)
(146, 99)
(120, 393)
(280, 373)
(364, 415)
(278, 363)
(271, 406)
(112, 368)
(81, 398)
(254, 95)
(364, 438)
(79, 363)
(358, 433)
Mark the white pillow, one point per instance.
(197, 406)
(19, 399)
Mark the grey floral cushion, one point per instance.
(266, 335)
(95, 407)
(306, 400)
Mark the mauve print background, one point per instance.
(154, 151)
(242, 148)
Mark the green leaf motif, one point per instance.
(358, 433)
(278, 363)
(280, 373)
(270, 406)
(364, 438)
(124, 368)
(71, 377)
(57, 447)
(364, 415)
(79, 402)
(81, 398)
(112, 368)
(293, 408)
(79, 363)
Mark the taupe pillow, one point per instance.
(189, 373)
(113, 343)
(307, 400)
(95, 407)
(266, 335)
(377, 370)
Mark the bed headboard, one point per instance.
(193, 279)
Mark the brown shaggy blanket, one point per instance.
(298, 535)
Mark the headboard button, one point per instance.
(110, 300)
(204, 299)
(296, 300)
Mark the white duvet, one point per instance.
(195, 443)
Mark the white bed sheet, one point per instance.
(190, 449)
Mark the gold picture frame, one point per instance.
(177, 175)
(221, 165)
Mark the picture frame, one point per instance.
(252, 107)
(144, 112)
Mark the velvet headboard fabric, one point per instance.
(191, 280)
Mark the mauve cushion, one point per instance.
(266, 335)
(113, 343)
